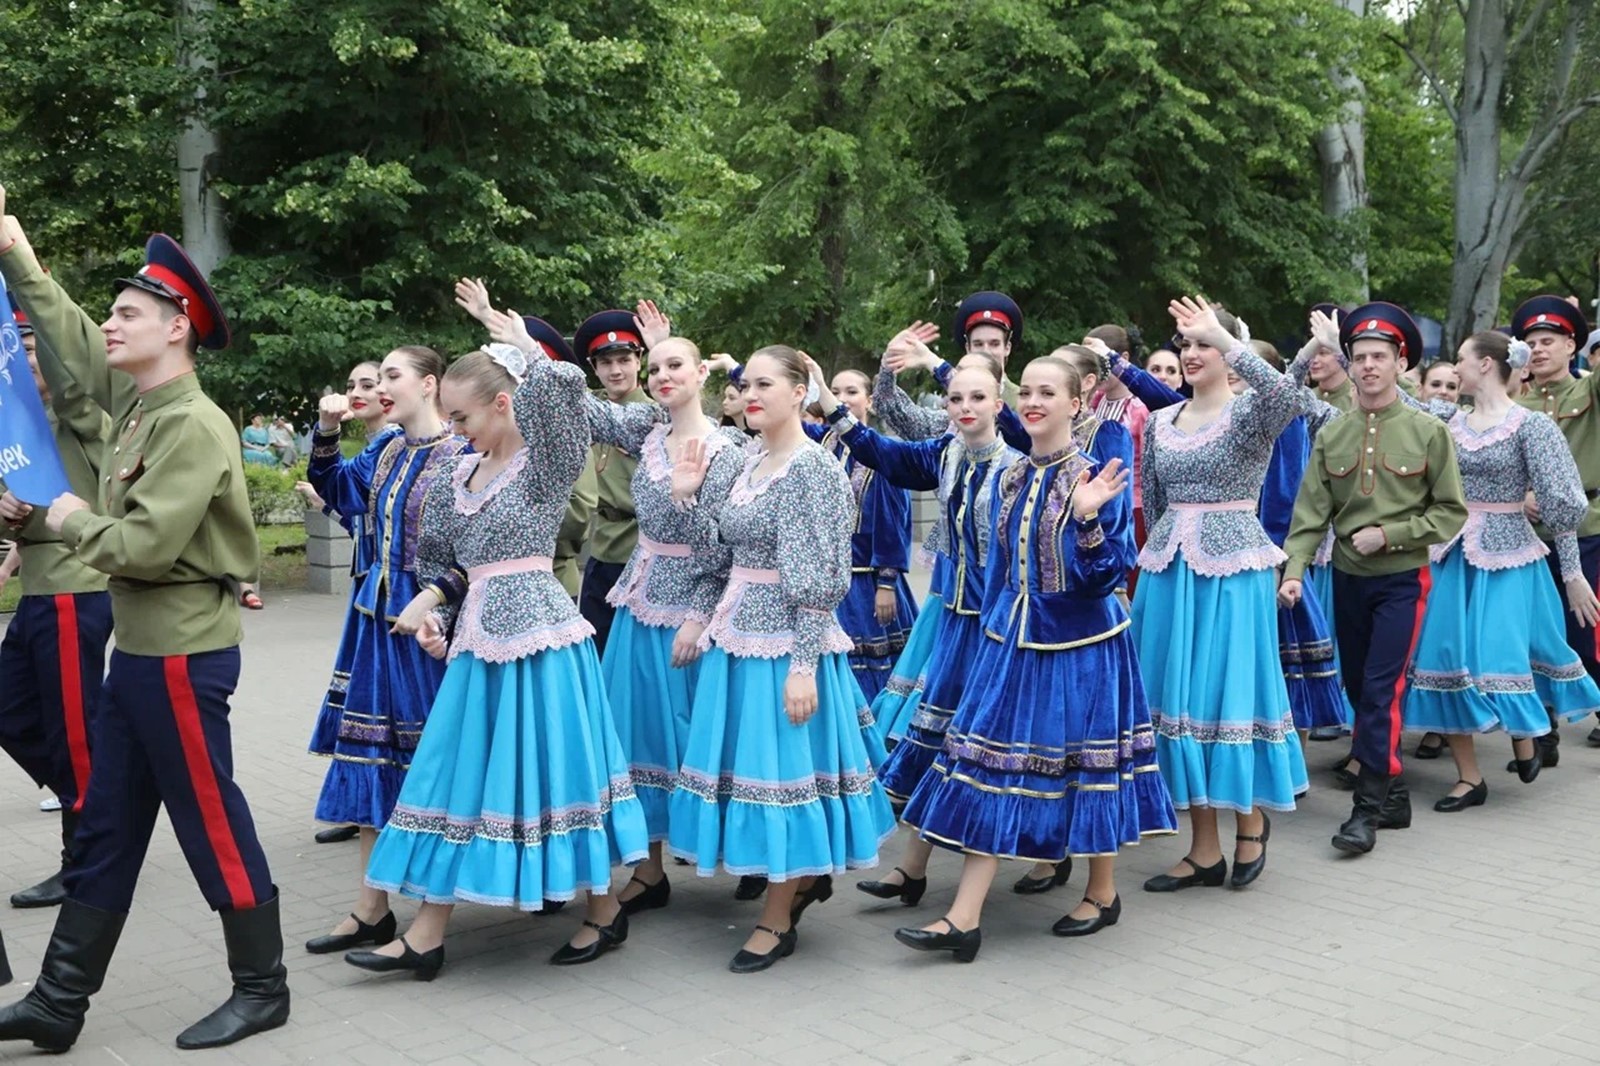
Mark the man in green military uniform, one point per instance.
(171, 526)
(1385, 476)
(53, 658)
(614, 344)
(1553, 328)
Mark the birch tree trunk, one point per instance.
(1342, 149)
(205, 233)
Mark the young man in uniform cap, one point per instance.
(53, 658)
(990, 323)
(1385, 476)
(614, 345)
(172, 527)
(1552, 328)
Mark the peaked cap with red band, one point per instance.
(606, 330)
(1384, 321)
(1552, 313)
(555, 345)
(169, 273)
(988, 309)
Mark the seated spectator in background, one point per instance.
(280, 439)
(257, 442)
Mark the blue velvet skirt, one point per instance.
(386, 702)
(1493, 654)
(960, 643)
(759, 795)
(1310, 670)
(1319, 579)
(1209, 654)
(897, 702)
(650, 703)
(877, 646)
(1050, 754)
(519, 792)
(325, 731)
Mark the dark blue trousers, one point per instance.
(162, 738)
(1582, 638)
(598, 580)
(1377, 621)
(52, 667)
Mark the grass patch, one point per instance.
(283, 557)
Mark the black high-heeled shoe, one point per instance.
(751, 886)
(1105, 914)
(1028, 886)
(1203, 876)
(909, 891)
(750, 962)
(652, 898)
(378, 933)
(1246, 872)
(1429, 751)
(821, 891)
(1473, 797)
(611, 936)
(964, 943)
(423, 965)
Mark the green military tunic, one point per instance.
(172, 524)
(575, 529)
(1395, 469)
(1342, 396)
(1571, 402)
(616, 527)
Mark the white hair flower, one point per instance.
(509, 358)
(1518, 354)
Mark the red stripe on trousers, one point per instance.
(1425, 583)
(72, 693)
(186, 713)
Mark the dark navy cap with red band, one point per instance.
(169, 273)
(554, 344)
(1384, 321)
(1552, 313)
(606, 330)
(988, 309)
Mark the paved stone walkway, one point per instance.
(1469, 938)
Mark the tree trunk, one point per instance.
(1342, 148)
(205, 233)
(1481, 242)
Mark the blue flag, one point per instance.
(30, 466)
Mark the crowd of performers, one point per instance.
(741, 680)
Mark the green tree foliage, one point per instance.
(1091, 159)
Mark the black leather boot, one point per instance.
(74, 968)
(260, 999)
(52, 890)
(5, 966)
(1396, 810)
(1358, 834)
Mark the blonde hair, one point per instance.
(481, 375)
(1068, 370)
(788, 360)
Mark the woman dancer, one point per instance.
(668, 590)
(519, 791)
(361, 390)
(776, 780)
(392, 681)
(1224, 729)
(878, 612)
(1020, 776)
(1442, 381)
(1165, 367)
(1492, 653)
(963, 469)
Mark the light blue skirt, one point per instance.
(650, 703)
(894, 706)
(1208, 651)
(758, 795)
(519, 791)
(1493, 654)
(1310, 665)
(1320, 580)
